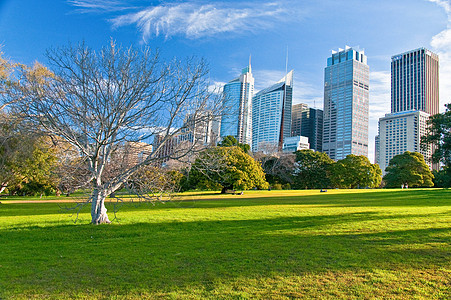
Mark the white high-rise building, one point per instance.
(346, 103)
(271, 116)
(401, 132)
(237, 118)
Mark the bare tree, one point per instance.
(97, 101)
(280, 166)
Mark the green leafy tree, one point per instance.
(230, 141)
(28, 164)
(312, 170)
(355, 171)
(229, 167)
(439, 136)
(442, 178)
(409, 169)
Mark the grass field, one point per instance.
(348, 244)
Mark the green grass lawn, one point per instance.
(356, 244)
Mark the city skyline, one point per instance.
(227, 32)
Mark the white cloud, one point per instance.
(195, 20)
(266, 78)
(100, 6)
(380, 98)
(441, 44)
(380, 101)
(216, 87)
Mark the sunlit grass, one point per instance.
(262, 244)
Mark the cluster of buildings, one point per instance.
(414, 98)
(269, 122)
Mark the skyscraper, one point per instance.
(414, 81)
(298, 118)
(237, 118)
(346, 101)
(414, 97)
(308, 122)
(271, 115)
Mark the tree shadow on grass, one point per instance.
(175, 255)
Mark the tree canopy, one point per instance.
(230, 141)
(355, 171)
(439, 135)
(230, 167)
(409, 169)
(312, 169)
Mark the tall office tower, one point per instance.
(414, 81)
(271, 116)
(414, 97)
(237, 103)
(400, 132)
(346, 97)
(308, 122)
(299, 118)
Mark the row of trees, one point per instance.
(229, 166)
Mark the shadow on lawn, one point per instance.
(170, 256)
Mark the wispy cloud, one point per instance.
(441, 44)
(191, 19)
(98, 6)
(194, 20)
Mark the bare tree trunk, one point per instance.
(98, 209)
(3, 186)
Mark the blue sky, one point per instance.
(227, 32)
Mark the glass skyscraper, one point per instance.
(346, 101)
(414, 81)
(271, 116)
(237, 103)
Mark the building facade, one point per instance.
(415, 81)
(346, 103)
(299, 118)
(308, 122)
(237, 103)
(295, 143)
(271, 116)
(401, 132)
